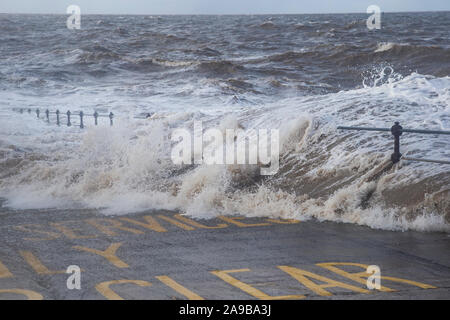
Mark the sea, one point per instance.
(303, 75)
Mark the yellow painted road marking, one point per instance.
(4, 271)
(234, 221)
(150, 223)
(361, 277)
(112, 224)
(177, 223)
(109, 254)
(283, 221)
(303, 275)
(199, 225)
(31, 295)
(36, 264)
(107, 292)
(50, 235)
(224, 275)
(70, 232)
(179, 288)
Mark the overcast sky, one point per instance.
(217, 6)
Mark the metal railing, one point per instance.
(69, 116)
(397, 130)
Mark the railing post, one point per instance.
(111, 116)
(81, 120)
(396, 131)
(68, 119)
(37, 113)
(57, 117)
(47, 114)
(96, 117)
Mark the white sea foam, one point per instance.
(127, 168)
(385, 46)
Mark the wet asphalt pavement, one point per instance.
(162, 255)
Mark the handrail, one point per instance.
(363, 128)
(426, 160)
(426, 131)
(397, 130)
(68, 114)
(389, 129)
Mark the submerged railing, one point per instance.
(397, 130)
(68, 115)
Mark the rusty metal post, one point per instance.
(47, 114)
(111, 116)
(96, 117)
(68, 119)
(396, 131)
(81, 120)
(57, 117)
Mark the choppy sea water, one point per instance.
(301, 74)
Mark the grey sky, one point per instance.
(217, 6)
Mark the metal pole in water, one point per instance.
(81, 120)
(57, 117)
(37, 113)
(68, 119)
(396, 131)
(47, 114)
(111, 116)
(96, 117)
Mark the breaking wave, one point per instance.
(303, 75)
(324, 174)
